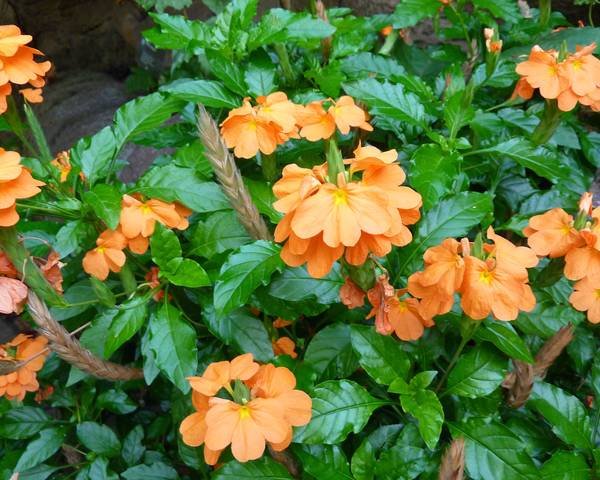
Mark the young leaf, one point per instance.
(244, 271)
(330, 354)
(477, 373)
(164, 246)
(173, 342)
(433, 173)
(427, 409)
(129, 318)
(116, 401)
(99, 439)
(40, 449)
(411, 12)
(493, 452)
(382, 357)
(364, 460)
(401, 462)
(565, 413)
(262, 468)
(220, 232)
(339, 408)
(105, 201)
(325, 462)
(230, 73)
(185, 273)
(94, 155)
(209, 93)
(295, 284)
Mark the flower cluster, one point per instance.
(492, 43)
(17, 66)
(275, 119)
(16, 183)
(576, 79)
(493, 280)
(262, 408)
(557, 234)
(394, 312)
(326, 218)
(136, 226)
(29, 354)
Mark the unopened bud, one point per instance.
(585, 203)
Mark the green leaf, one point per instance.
(330, 353)
(262, 468)
(209, 93)
(505, 338)
(304, 27)
(98, 470)
(133, 449)
(547, 318)
(457, 114)
(260, 75)
(566, 466)
(427, 409)
(402, 462)
(381, 356)
(364, 460)
(243, 272)
(41, 472)
(564, 412)
(185, 273)
(154, 471)
(73, 237)
(128, 320)
(220, 232)
(477, 374)
(339, 408)
(368, 64)
(23, 422)
(230, 73)
(105, 201)
(116, 401)
(94, 155)
(161, 5)
(174, 32)
(388, 100)
(40, 449)
(295, 284)
(411, 12)
(493, 452)
(452, 217)
(240, 330)
(504, 9)
(164, 246)
(325, 462)
(173, 342)
(539, 160)
(263, 197)
(143, 114)
(103, 292)
(171, 182)
(433, 173)
(99, 439)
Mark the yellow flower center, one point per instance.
(244, 412)
(100, 250)
(340, 197)
(146, 210)
(402, 306)
(552, 71)
(597, 292)
(486, 277)
(252, 125)
(577, 64)
(565, 230)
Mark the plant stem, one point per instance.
(545, 11)
(268, 164)
(38, 135)
(389, 43)
(548, 125)
(16, 125)
(468, 335)
(284, 61)
(335, 163)
(128, 279)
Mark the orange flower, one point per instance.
(351, 294)
(7, 269)
(582, 70)
(264, 408)
(385, 31)
(17, 65)
(285, 346)
(278, 109)
(138, 245)
(281, 323)
(552, 233)
(44, 394)
(16, 183)
(541, 71)
(586, 298)
(13, 295)
(52, 271)
(248, 133)
(32, 353)
(584, 260)
(107, 256)
(139, 218)
(379, 297)
(62, 162)
(522, 89)
(153, 282)
(492, 46)
(512, 259)
(317, 124)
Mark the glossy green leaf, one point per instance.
(325, 462)
(381, 356)
(154, 471)
(364, 460)
(209, 93)
(505, 338)
(433, 173)
(164, 246)
(185, 273)
(330, 352)
(339, 408)
(94, 155)
(427, 409)
(23, 422)
(566, 466)
(220, 232)
(41, 448)
(295, 284)
(401, 462)
(105, 201)
(116, 401)
(99, 439)
(243, 272)
(262, 468)
(411, 12)
(173, 342)
(477, 373)
(133, 449)
(128, 320)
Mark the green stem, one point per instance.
(128, 279)
(548, 125)
(268, 164)
(465, 30)
(545, 11)
(31, 274)
(389, 43)
(313, 6)
(590, 16)
(16, 125)
(45, 155)
(335, 162)
(467, 336)
(286, 65)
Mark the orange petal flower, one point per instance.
(295, 185)
(52, 271)
(15, 386)
(318, 256)
(7, 269)
(139, 218)
(281, 323)
(10, 165)
(62, 162)
(541, 71)
(511, 258)
(379, 297)
(285, 346)
(584, 261)
(107, 256)
(487, 289)
(552, 233)
(247, 133)
(347, 114)
(404, 317)
(13, 295)
(32, 95)
(522, 89)
(278, 109)
(582, 69)
(351, 294)
(316, 124)
(220, 374)
(586, 298)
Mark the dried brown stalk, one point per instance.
(70, 350)
(326, 42)
(230, 178)
(453, 461)
(519, 382)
